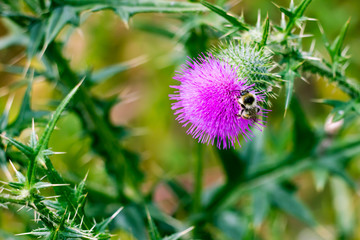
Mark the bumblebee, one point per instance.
(248, 104)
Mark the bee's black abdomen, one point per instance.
(249, 100)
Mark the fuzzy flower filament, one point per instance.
(207, 100)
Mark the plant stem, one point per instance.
(7, 198)
(30, 172)
(324, 70)
(198, 175)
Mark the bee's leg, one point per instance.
(257, 109)
(240, 114)
(242, 106)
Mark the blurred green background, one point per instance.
(166, 151)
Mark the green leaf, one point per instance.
(335, 49)
(289, 85)
(233, 20)
(178, 235)
(36, 31)
(231, 223)
(110, 71)
(101, 227)
(33, 5)
(343, 206)
(28, 151)
(4, 119)
(286, 12)
(44, 140)
(59, 17)
(26, 114)
(20, 177)
(40, 185)
(33, 136)
(153, 231)
(320, 177)
(296, 15)
(126, 9)
(132, 221)
(260, 205)
(11, 40)
(291, 204)
(266, 28)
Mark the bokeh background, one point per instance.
(144, 107)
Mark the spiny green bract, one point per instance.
(252, 63)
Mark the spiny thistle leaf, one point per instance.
(289, 85)
(335, 48)
(20, 177)
(176, 236)
(101, 227)
(25, 111)
(110, 71)
(37, 34)
(33, 5)
(296, 15)
(266, 30)
(153, 231)
(233, 20)
(28, 151)
(127, 9)
(4, 119)
(59, 17)
(43, 142)
(292, 205)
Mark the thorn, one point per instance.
(68, 220)
(9, 103)
(58, 153)
(7, 173)
(258, 24)
(86, 175)
(76, 212)
(116, 213)
(80, 32)
(50, 197)
(43, 50)
(292, 5)
(276, 5)
(42, 178)
(312, 46)
(5, 183)
(92, 228)
(283, 22)
(81, 222)
(81, 81)
(321, 28)
(26, 69)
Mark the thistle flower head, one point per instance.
(251, 63)
(207, 100)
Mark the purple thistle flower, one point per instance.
(207, 100)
